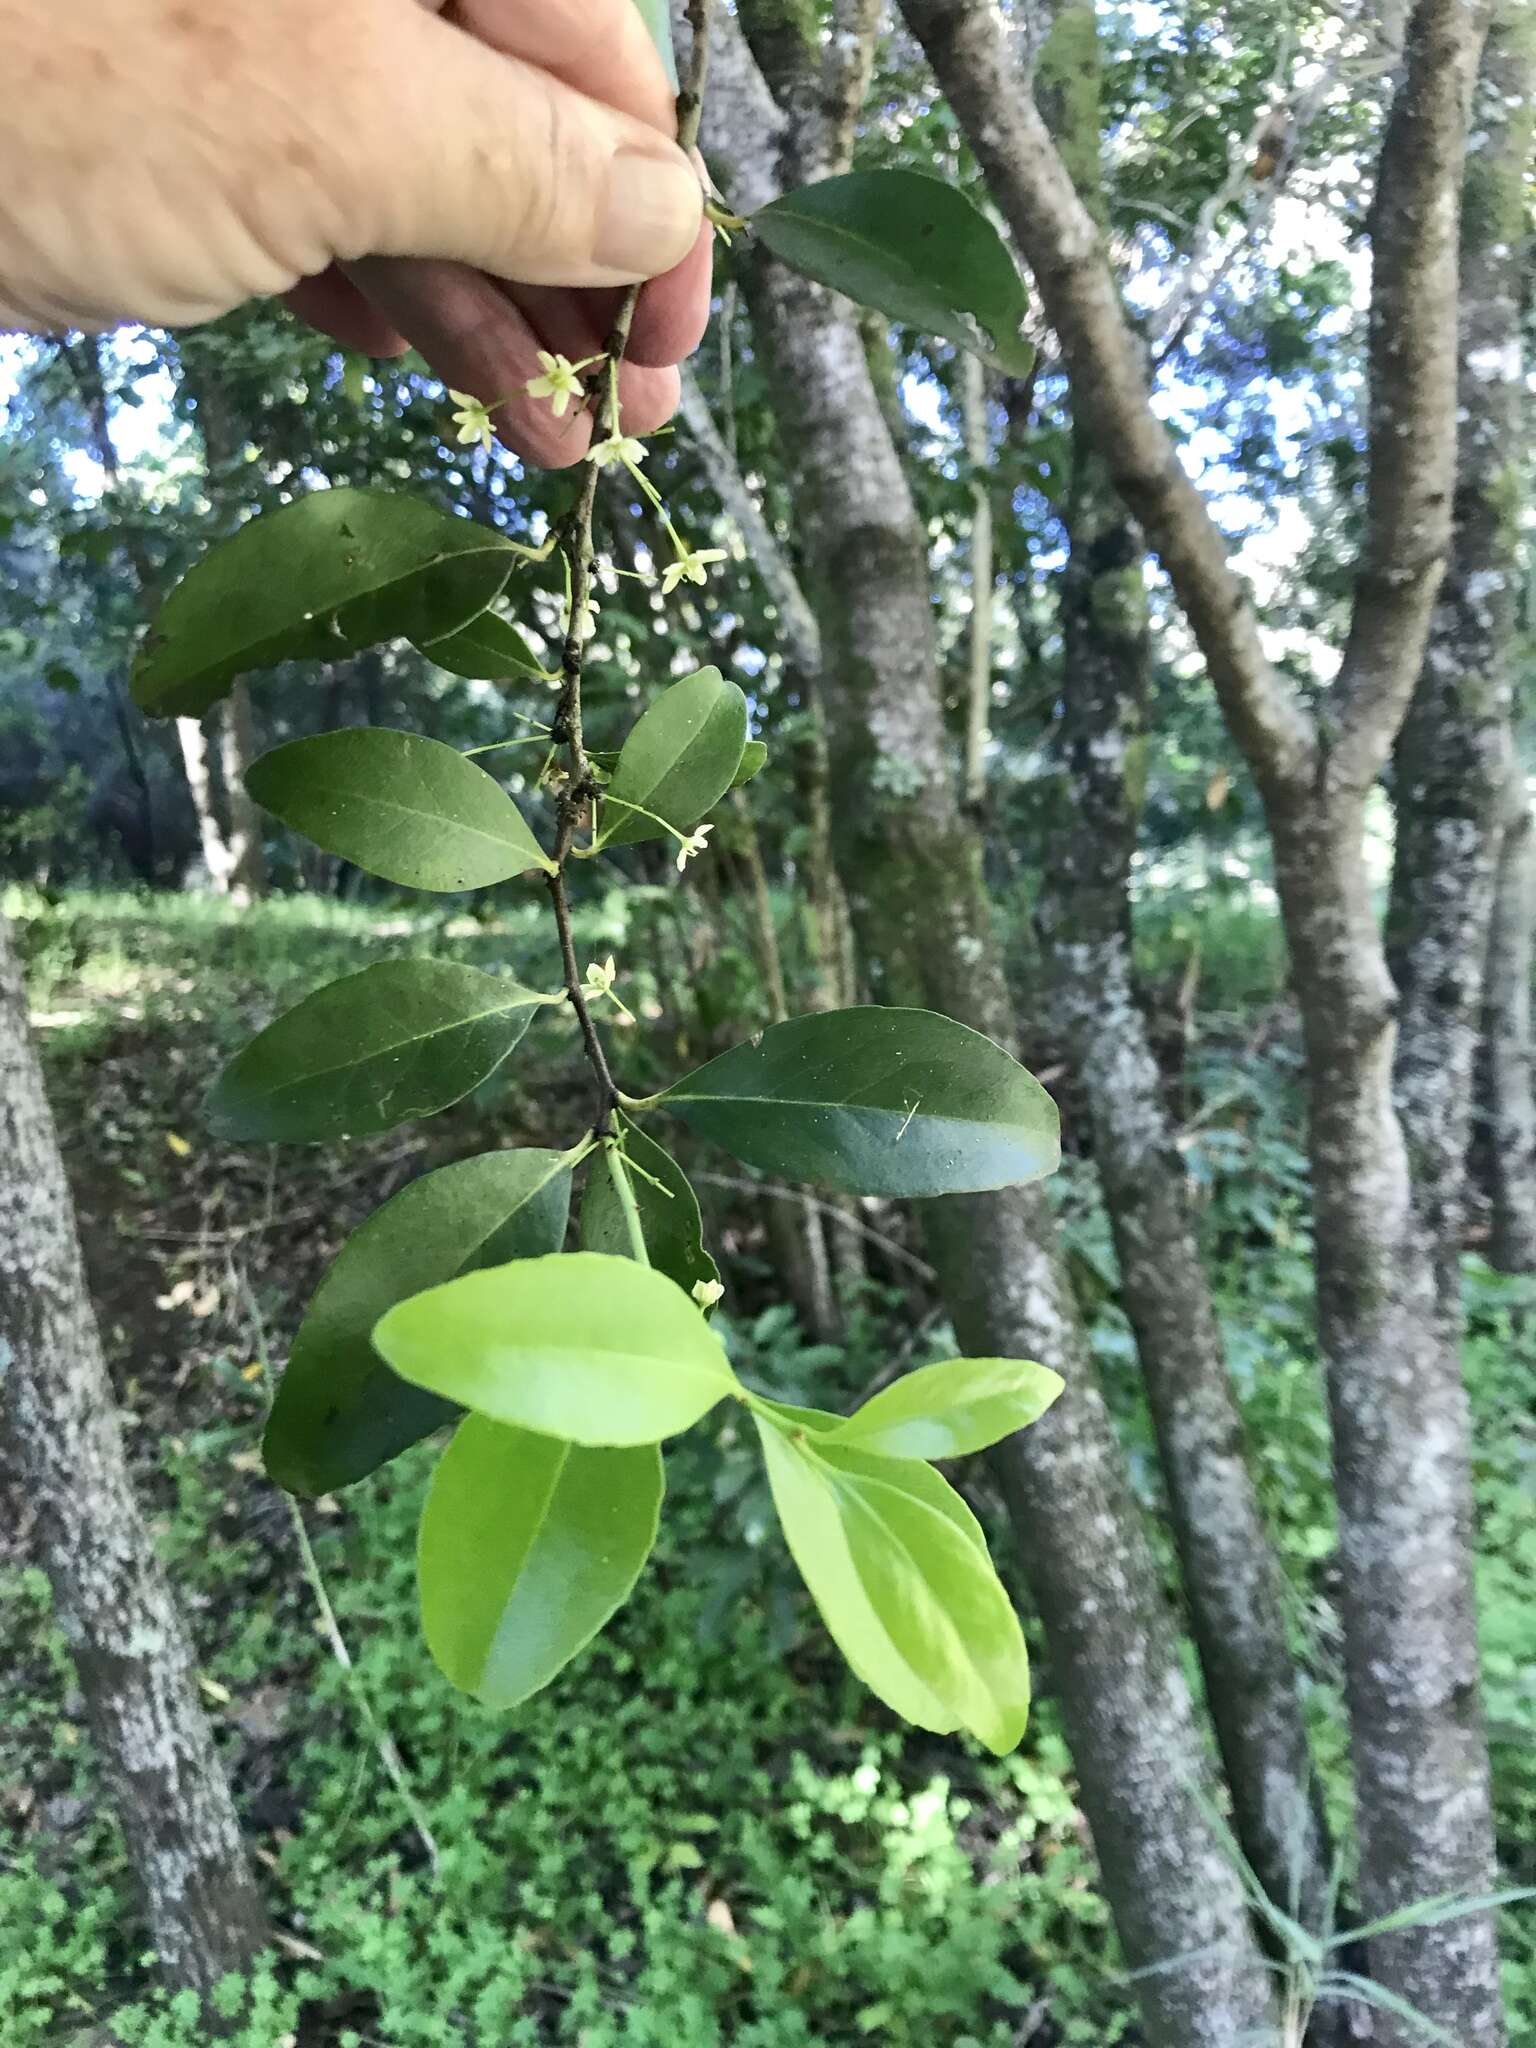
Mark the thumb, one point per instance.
(462, 152)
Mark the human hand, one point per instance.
(479, 178)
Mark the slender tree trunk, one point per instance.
(193, 735)
(1232, 1579)
(913, 870)
(1395, 1389)
(1508, 1064)
(63, 1451)
(978, 692)
(237, 750)
(1454, 755)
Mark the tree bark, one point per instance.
(1395, 1390)
(912, 866)
(978, 693)
(1455, 754)
(1508, 1105)
(193, 736)
(64, 1456)
(237, 750)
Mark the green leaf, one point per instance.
(584, 1346)
(488, 649)
(909, 1599)
(340, 1412)
(670, 1220)
(528, 1546)
(679, 760)
(914, 248)
(400, 1040)
(407, 808)
(920, 1479)
(754, 760)
(951, 1409)
(659, 22)
(877, 1102)
(331, 573)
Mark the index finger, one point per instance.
(600, 47)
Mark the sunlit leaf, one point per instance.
(950, 1409)
(320, 578)
(399, 1040)
(340, 1411)
(398, 805)
(585, 1346)
(877, 1102)
(528, 1545)
(679, 760)
(911, 246)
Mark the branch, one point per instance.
(968, 45)
(744, 128)
(797, 622)
(847, 64)
(1412, 372)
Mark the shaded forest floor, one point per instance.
(705, 1832)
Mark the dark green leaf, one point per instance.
(61, 677)
(913, 247)
(679, 760)
(753, 760)
(528, 1545)
(877, 1102)
(670, 1220)
(951, 1409)
(320, 578)
(407, 808)
(910, 1600)
(488, 649)
(340, 1412)
(399, 1040)
(596, 1349)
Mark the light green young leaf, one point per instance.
(918, 1478)
(340, 1412)
(669, 1214)
(877, 1102)
(914, 248)
(678, 761)
(398, 805)
(951, 1409)
(528, 1546)
(583, 1345)
(910, 1600)
(317, 579)
(399, 1040)
(488, 649)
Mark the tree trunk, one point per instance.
(197, 759)
(978, 693)
(237, 750)
(1395, 1390)
(1232, 1579)
(64, 1453)
(1508, 1112)
(912, 867)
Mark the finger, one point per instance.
(673, 311)
(461, 153)
(334, 305)
(601, 47)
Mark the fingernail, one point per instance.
(650, 214)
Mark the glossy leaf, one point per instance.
(340, 1412)
(398, 805)
(877, 1102)
(914, 248)
(585, 1346)
(400, 1040)
(488, 649)
(317, 579)
(909, 1599)
(951, 1409)
(754, 760)
(528, 1545)
(670, 1220)
(679, 760)
(918, 1478)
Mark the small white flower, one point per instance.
(692, 564)
(619, 448)
(473, 420)
(560, 383)
(599, 983)
(696, 842)
(707, 1292)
